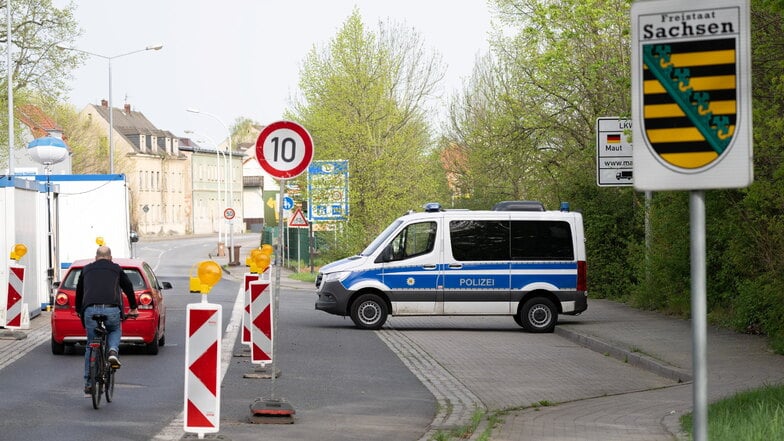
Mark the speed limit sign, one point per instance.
(229, 213)
(284, 149)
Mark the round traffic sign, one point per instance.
(284, 149)
(228, 213)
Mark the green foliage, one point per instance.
(38, 67)
(364, 99)
(523, 128)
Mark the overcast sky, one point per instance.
(236, 58)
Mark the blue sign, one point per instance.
(328, 191)
(288, 203)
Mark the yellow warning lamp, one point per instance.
(209, 273)
(99, 240)
(260, 263)
(18, 251)
(252, 256)
(267, 249)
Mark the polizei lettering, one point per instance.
(687, 24)
(477, 282)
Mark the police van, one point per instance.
(516, 260)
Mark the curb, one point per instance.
(636, 359)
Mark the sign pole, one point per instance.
(284, 149)
(276, 291)
(699, 314)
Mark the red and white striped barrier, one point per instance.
(202, 368)
(249, 278)
(15, 309)
(261, 323)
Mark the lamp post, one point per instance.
(218, 179)
(230, 202)
(111, 109)
(10, 83)
(48, 151)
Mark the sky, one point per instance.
(242, 58)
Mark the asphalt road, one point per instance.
(342, 384)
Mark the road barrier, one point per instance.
(249, 278)
(261, 311)
(203, 323)
(202, 365)
(16, 315)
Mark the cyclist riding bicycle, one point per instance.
(98, 292)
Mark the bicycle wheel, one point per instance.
(95, 377)
(109, 382)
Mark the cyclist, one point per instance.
(98, 292)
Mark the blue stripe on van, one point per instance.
(474, 276)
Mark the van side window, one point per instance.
(414, 240)
(479, 240)
(542, 240)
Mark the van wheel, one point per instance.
(538, 315)
(369, 311)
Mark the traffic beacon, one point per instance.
(14, 313)
(284, 149)
(260, 316)
(202, 355)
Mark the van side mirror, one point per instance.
(166, 285)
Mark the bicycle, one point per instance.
(101, 372)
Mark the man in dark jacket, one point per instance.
(98, 292)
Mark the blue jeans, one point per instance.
(112, 324)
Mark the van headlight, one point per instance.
(338, 276)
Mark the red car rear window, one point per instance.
(73, 277)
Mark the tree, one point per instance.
(527, 121)
(364, 100)
(37, 66)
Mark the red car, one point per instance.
(149, 328)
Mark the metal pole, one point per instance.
(50, 243)
(218, 182)
(648, 201)
(10, 90)
(699, 314)
(231, 194)
(276, 290)
(111, 121)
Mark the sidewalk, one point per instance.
(655, 343)
(15, 343)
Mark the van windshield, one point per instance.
(382, 238)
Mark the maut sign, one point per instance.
(691, 102)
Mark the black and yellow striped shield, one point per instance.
(689, 100)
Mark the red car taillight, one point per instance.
(582, 276)
(145, 301)
(61, 299)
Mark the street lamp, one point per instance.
(231, 178)
(218, 178)
(109, 59)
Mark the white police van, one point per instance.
(528, 264)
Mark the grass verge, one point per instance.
(754, 415)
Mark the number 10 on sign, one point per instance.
(284, 149)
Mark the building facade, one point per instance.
(158, 174)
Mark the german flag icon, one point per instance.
(614, 138)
